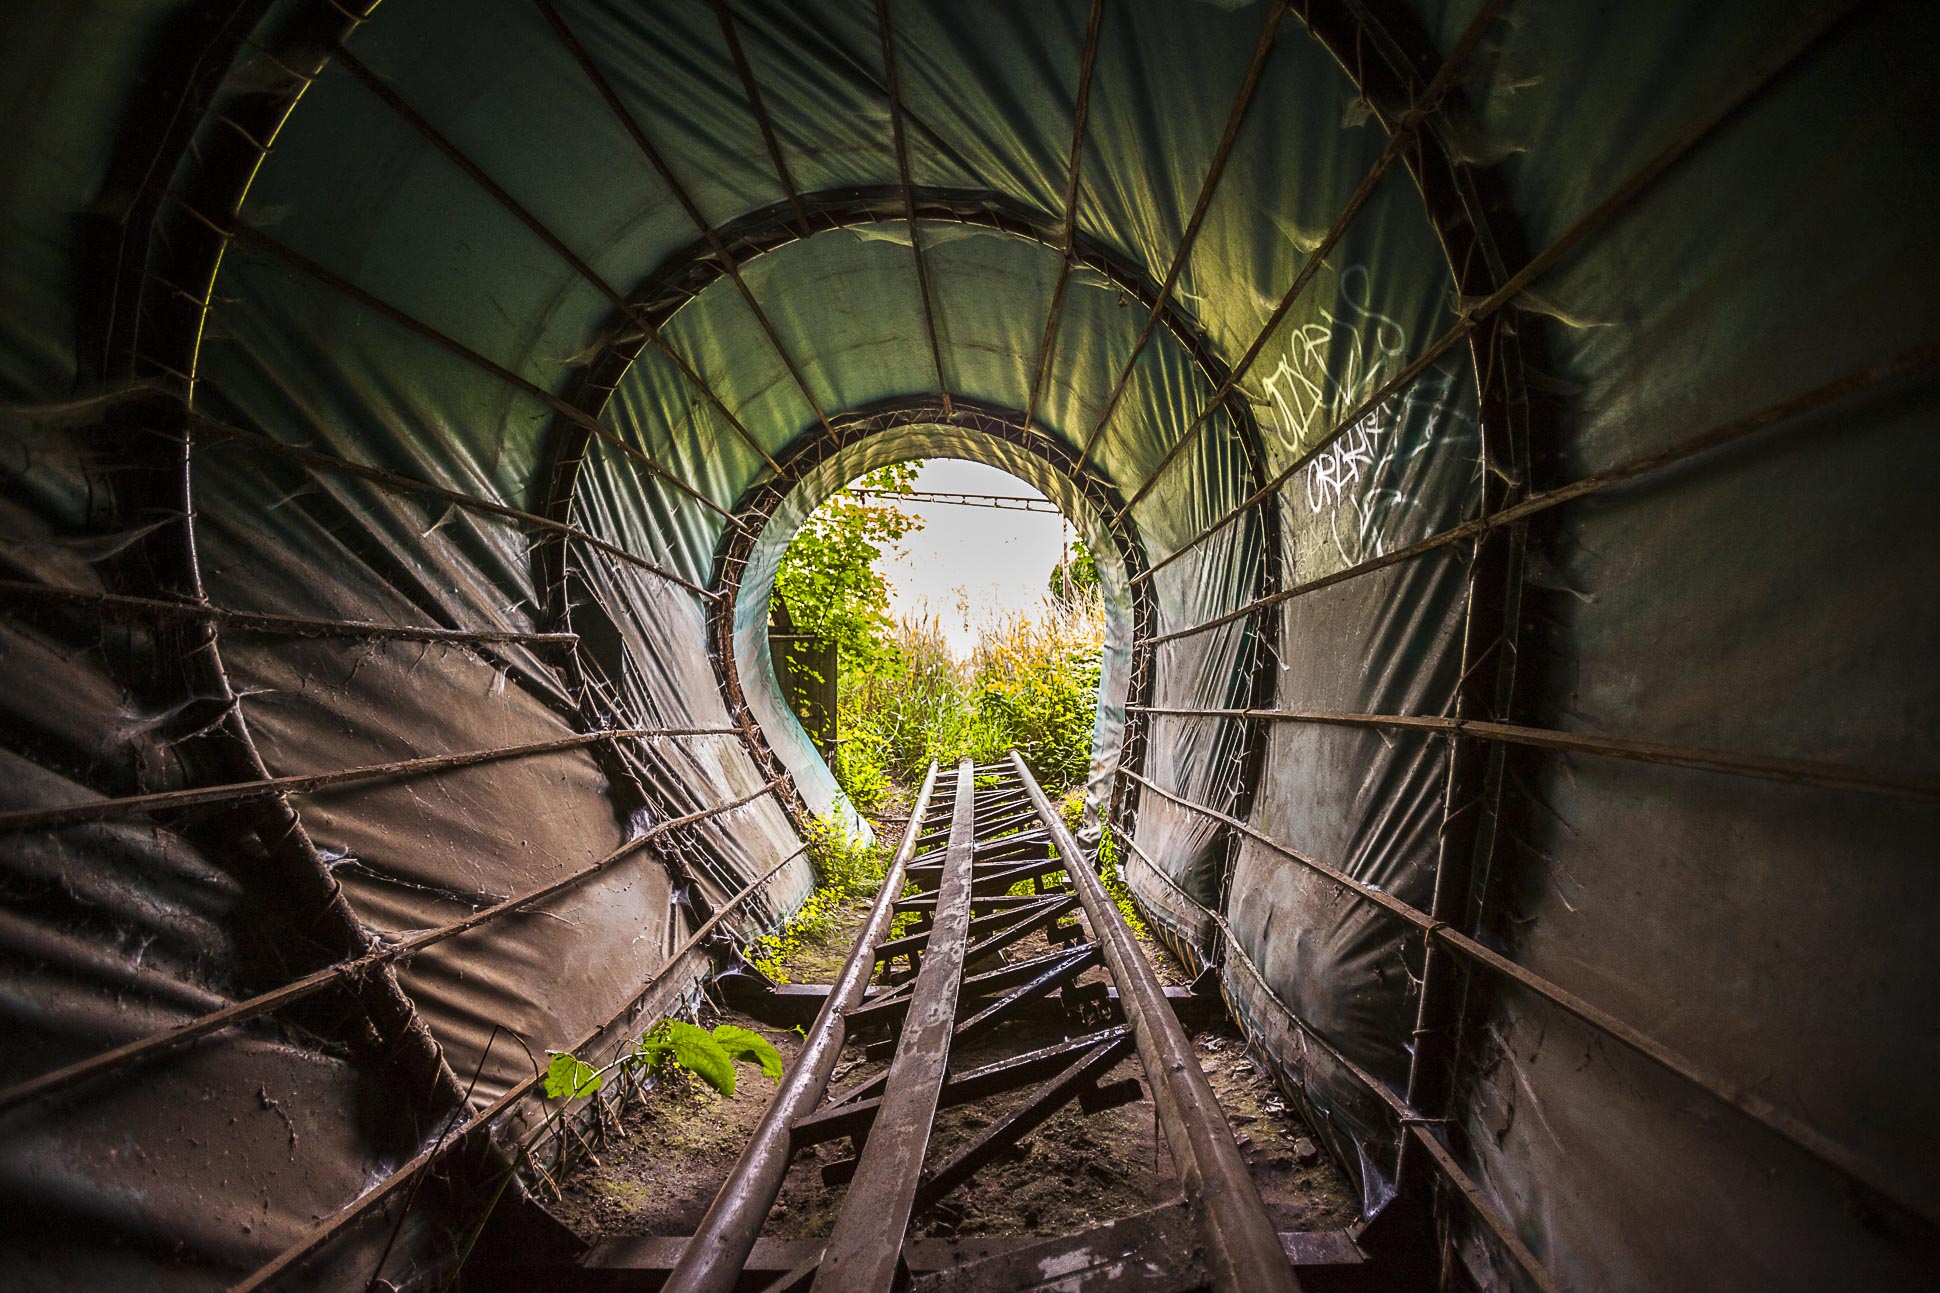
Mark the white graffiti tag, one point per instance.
(1332, 362)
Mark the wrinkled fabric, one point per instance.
(1768, 600)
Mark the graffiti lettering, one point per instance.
(1332, 362)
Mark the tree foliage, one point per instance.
(828, 576)
(1076, 577)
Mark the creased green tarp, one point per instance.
(1773, 600)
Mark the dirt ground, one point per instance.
(678, 1144)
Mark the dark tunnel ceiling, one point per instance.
(1506, 404)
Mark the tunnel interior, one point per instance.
(1509, 423)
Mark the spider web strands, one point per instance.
(302, 783)
(1680, 147)
(1404, 132)
(608, 96)
(1914, 361)
(497, 192)
(1753, 1106)
(327, 1229)
(394, 954)
(1254, 71)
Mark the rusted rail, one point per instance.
(974, 837)
(713, 1259)
(1242, 1247)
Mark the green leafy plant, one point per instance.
(568, 1077)
(710, 1056)
(1075, 577)
(828, 577)
(671, 1044)
(1120, 892)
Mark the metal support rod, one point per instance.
(761, 119)
(1053, 1094)
(1766, 767)
(267, 622)
(250, 236)
(326, 1229)
(1914, 360)
(393, 954)
(208, 429)
(1081, 110)
(301, 783)
(1417, 117)
(865, 1246)
(856, 1118)
(1243, 1248)
(518, 210)
(604, 88)
(1210, 185)
(900, 137)
(1058, 970)
(995, 502)
(1406, 1116)
(1753, 1106)
(712, 1260)
(1639, 182)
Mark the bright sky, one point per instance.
(970, 564)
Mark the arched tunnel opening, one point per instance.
(1507, 427)
(750, 559)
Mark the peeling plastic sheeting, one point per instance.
(391, 391)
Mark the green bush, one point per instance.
(1032, 684)
(845, 868)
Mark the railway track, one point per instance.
(982, 868)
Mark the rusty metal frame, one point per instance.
(1813, 772)
(1768, 75)
(1080, 114)
(891, 1115)
(713, 1259)
(387, 956)
(268, 787)
(274, 623)
(760, 503)
(1242, 1247)
(1760, 1110)
(631, 126)
(1914, 361)
(1255, 69)
(865, 1246)
(652, 999)
(899, 134)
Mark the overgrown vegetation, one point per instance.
(828, 576)
(845, 869)
(1031, 683)
(904, 699)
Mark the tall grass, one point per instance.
(1031, 682)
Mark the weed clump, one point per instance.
(845, 869)
(1031, 684)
